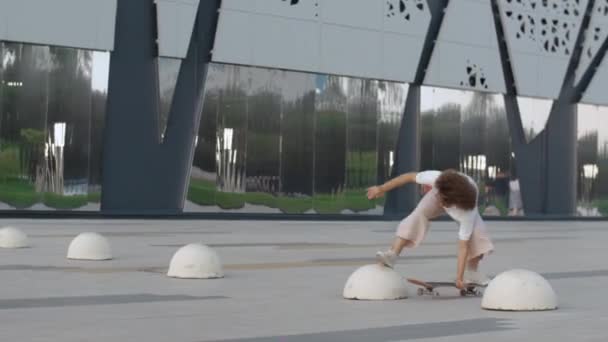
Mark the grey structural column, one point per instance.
(528, 161)
(546, 166)
(562, 128)
(561, 170)
(403, 200)
(141, 175)
(407, 156)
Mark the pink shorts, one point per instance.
(415, 226)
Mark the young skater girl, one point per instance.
(448, 192)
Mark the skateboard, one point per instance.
(430, 287)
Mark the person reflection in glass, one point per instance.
(515, 202)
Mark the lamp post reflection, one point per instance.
(590, 172)
(54, 161)
(59, 142)
(230, 180)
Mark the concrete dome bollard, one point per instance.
(90, 246)
(519, 290)
(375, 282)
(195, 261)
(11, 237)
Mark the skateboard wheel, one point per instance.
(435, 293)
(420, 292)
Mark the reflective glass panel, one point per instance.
(468, 131)
(361, 144)
(23, 128)
(231, 140)
(47, 98)
(168, 71)
(297, 143)
(391, 99)
(592, 160)
(263, 180)
(276, 141)
(330, 143)
(66, 170)
(99, 81)
(203, 175)
(534, 114)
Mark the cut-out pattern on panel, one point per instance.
(297, 2)
(595, 36)
(541, 37)
(554, 33)
(466, 56)
(527, 25)
(404, 8)
(475, 77)
(567, 8)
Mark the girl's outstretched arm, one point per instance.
(380, 190)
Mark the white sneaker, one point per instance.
(388, 258)
(475, 277)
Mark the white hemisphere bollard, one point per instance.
(90, 246)
(519, 290)
(375, 282)
(195, 261)
(11, 237)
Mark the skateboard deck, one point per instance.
(430, 287)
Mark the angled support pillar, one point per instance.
(140, 175)
(547, 165)
(404, 200)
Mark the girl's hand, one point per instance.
(460, 284)
(374, 192)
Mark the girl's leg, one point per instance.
(413, 228)
(389, 257)
(399, 244)
(480, 244)
(473, 263)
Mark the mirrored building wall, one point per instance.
(52, 107)
(276, 141)
(468, 131)
(592, 160)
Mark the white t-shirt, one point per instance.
(465, 218)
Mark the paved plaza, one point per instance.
(284, 282)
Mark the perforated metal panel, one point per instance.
(375, 39)
(540, 37)
(466, 55)
(87, 24)
(175, 22)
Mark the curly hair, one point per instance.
(456, 190)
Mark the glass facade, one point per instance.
(168, 71)
(292, 142)
(52, 107)
(468, 131)
(269, 141)
(592, 160)
(534, 114)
